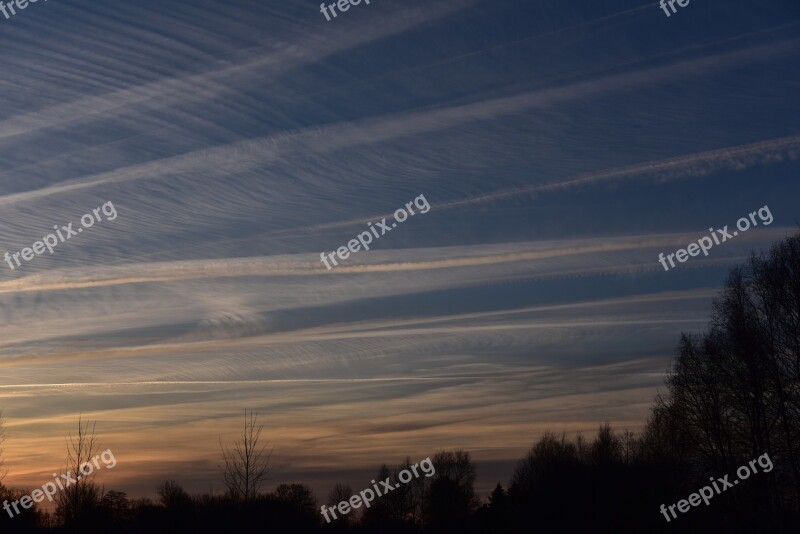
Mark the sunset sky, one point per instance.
(562, 145)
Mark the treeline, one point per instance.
(733, 395)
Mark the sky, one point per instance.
(561, 146)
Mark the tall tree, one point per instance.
(81, 496)
(734, 391)
(247, 463)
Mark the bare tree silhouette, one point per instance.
(246, 464)
(80, 497)
(734, 390)
(339, 493)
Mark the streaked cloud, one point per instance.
(561, 149)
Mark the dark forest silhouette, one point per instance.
(732, 395)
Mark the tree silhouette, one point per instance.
(378, 515)
(607, 448)
(116, 506)
(172, 495)
(26, 520)
(339, 493)
(733, 393)
(298, 505)
(79, 498)
(246, 464)
(451, 496)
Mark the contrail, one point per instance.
(237, 382)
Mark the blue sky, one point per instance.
(561, 146)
